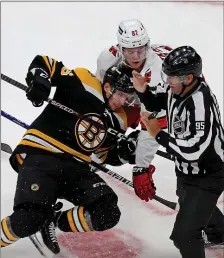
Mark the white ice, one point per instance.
(75, 33)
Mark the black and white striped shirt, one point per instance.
(195, 134)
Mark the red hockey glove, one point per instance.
(143, 182)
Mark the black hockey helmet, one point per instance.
(119, 78)
(182, 61)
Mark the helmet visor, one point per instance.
(136, 54)
(173, 80)
(127, 99)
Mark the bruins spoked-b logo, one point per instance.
(178, 125)
(88, 134)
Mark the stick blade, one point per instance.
(6, 148)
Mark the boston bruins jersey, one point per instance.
(59, 132)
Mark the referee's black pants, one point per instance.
(198, 211)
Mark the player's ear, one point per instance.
(107, 87)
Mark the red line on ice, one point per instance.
(106, 244)
(152, 207)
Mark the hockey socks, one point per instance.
(8, 237)
(75, 220)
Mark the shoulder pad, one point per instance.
(90, 82)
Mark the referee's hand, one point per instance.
(139, 82)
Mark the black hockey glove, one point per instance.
(126, 148)
(39, 86)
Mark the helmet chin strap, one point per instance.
(184, 86)
(106, 99)
(113, 90)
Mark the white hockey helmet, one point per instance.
(131, 34)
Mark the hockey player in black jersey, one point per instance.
(52, 159)
(196, 140)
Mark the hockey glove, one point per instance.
(143, 182)
(126, 148)
(39, 86)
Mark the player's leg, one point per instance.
(96, 203)
(34, 197)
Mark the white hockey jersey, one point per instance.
(147, 145)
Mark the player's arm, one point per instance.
(123, 151)
(45, 72)
(42, 74)
(47, 65)
(161, 50)
(155, 102)
(106, 59)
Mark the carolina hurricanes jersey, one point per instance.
(147, 146)
(58, 132)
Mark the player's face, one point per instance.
(118, 99)
(135, 57)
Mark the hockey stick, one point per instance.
(14, 120)
(6, 148)
(169, 204)
(172, 205)
(71, 111)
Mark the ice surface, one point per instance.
(75, 33)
